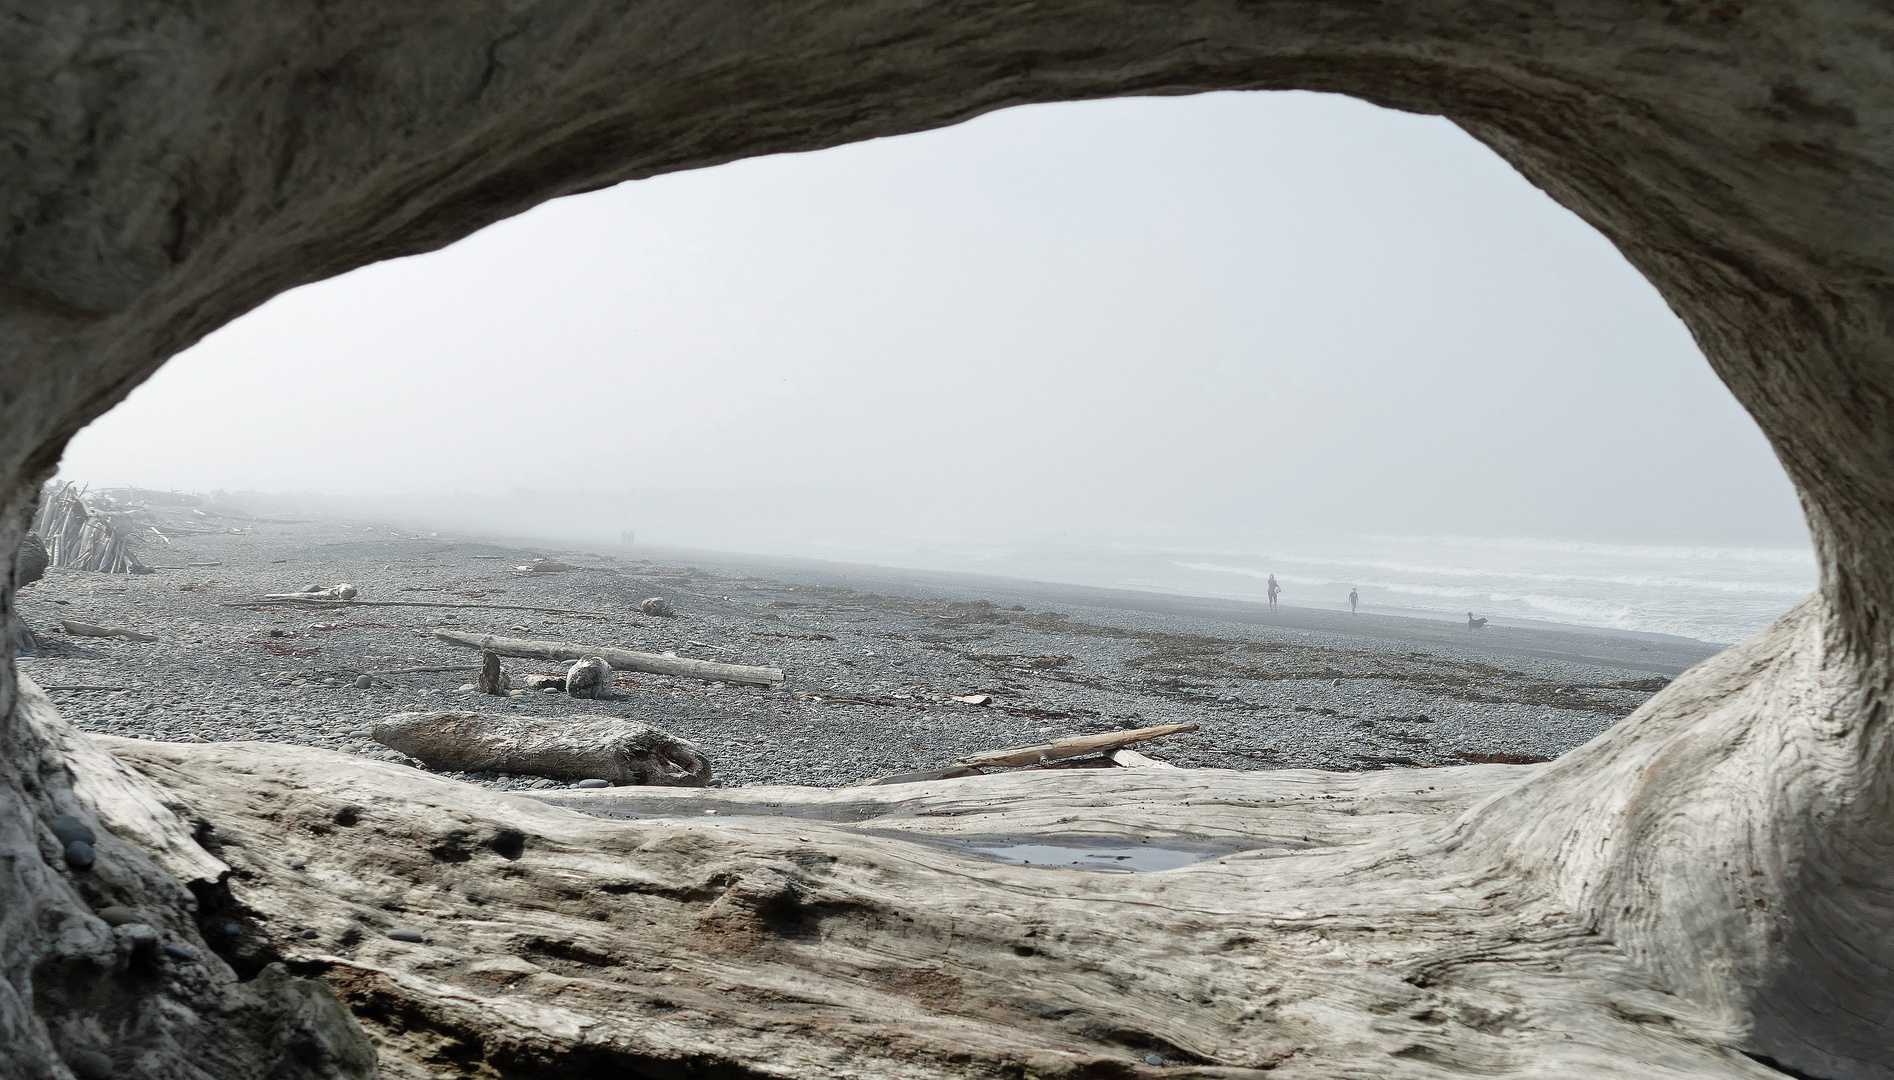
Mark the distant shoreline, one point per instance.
(1664, 654)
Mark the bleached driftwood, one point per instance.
(344, 591)
(143, 990)
(573, 748)
(79, 629)
(299, 598)
(619, 659)
(590, 678)
(1078, 746)
(1710, 879)
(811, 929)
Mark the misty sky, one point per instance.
(1216, 315)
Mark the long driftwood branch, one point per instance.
(291, 599)
(619, 659)
(79, 629)
(1078, 746)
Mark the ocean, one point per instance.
(1712, 594)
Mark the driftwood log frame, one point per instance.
(1705, 888)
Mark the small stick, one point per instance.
(77, 686)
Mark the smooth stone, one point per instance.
(69, 828)
(120, 915)
(406, 935)
(232, 928)
(79, 855)
(90, 1065)
(296, 864)
(593, 783)
(307, 935)
(363, 682)
(178, 952)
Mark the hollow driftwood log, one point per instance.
(619, 659)
(1703, 889)
(567, 748)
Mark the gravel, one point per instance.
(871, 674)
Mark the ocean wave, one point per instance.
(1774, 556)
(1642, 581)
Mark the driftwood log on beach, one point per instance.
(619, 659)
(79, 629)
(574, 748)
(1059, 749)
(1703, 891)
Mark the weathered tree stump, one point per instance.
(492, 679)
(590, 678)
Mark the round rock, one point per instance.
(119, 915)
(406, 935)
(593, 783)
(69, 828)
(79, 855)
(90, 1065)
(363, 682)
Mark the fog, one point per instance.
(1205, 320)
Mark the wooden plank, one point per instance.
(1065, 748)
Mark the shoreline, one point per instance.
(1664, 654)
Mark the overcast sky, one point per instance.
(1225, 314)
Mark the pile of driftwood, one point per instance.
(87, 530)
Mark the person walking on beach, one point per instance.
(1354, 600)
(1275, 590)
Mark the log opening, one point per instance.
(1708, 880)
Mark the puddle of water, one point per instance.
(1091, 857)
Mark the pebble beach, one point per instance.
(875, 660)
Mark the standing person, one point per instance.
(1275, 590)
(1354, 600)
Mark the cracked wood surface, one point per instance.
(800, 931)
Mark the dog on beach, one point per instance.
(1475, 624)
